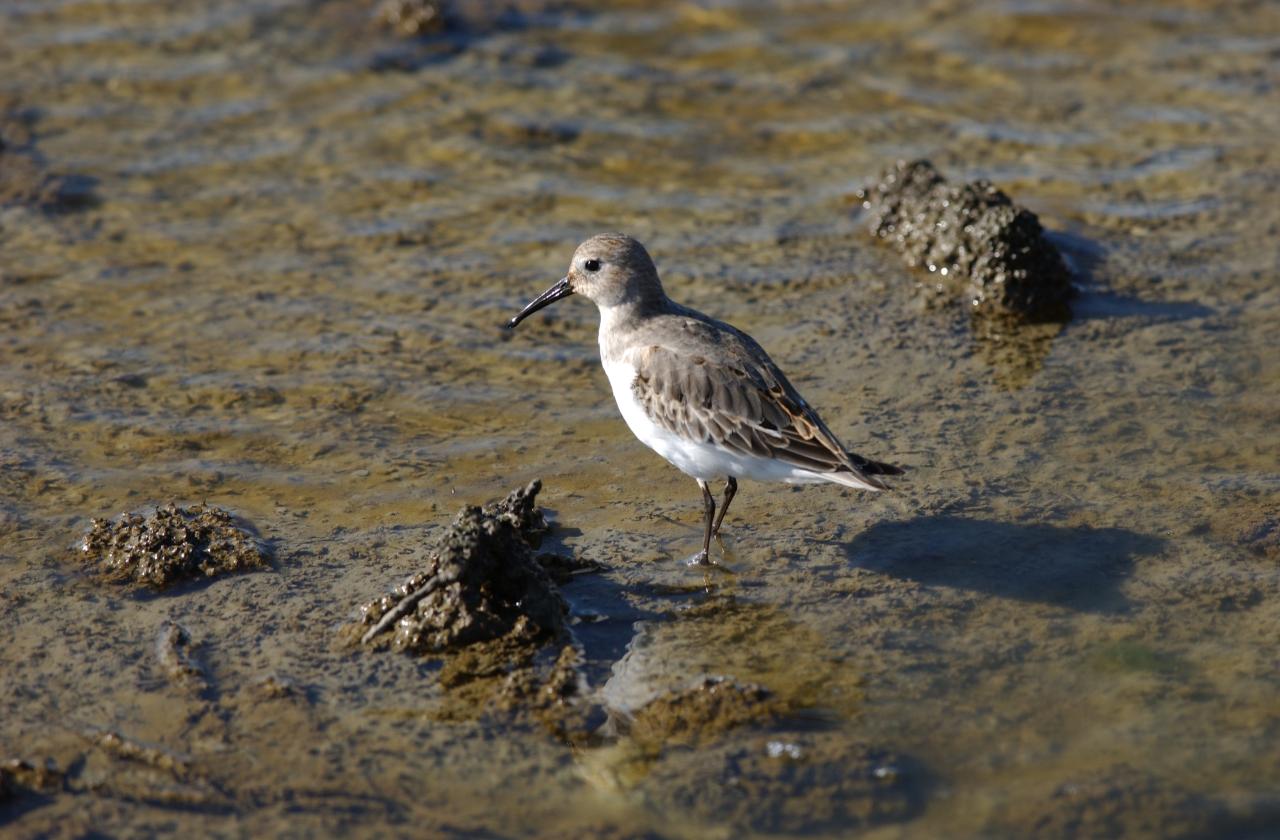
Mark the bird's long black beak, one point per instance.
(547, 298)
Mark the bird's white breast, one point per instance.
(621, 378)
(699, 459)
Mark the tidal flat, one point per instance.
(256, 255)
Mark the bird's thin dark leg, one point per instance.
(730, 490)
(709, 515)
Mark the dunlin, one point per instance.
(700, 393)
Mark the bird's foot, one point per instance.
(702, 558)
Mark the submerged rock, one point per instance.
(172, 544)
(661, 738)
(1262, 537)
(481, 583)
(555, 696)
(789, 783)
(122, 767)
(711, 707)
(1119, 801)
(974, 236)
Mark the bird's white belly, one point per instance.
(701, 460)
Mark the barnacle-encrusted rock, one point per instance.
(974, 236)
(411, 17)
(171, 544)
(481, 583)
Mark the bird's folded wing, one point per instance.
(744, 406)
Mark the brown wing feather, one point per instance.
(744, 403)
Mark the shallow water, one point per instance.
(275, 279)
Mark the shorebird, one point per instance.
(699, 392)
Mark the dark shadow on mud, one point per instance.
(1106, 305)
(601, 617)
(1082, 254)
(1093, 300)
(1080, 568)
(14, 805)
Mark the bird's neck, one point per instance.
(619, 321)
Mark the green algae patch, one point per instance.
(171, 544)
(1134, 657)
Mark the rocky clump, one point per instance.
(423, 18)
(25, 178)
(410, 18)
(974, 237)
(173, 651)
(173, 543)
(481, 583)
(18, 777)
(1261, 537)
(488, 605)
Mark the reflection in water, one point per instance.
(1014, 352)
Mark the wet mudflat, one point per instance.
(256, 256)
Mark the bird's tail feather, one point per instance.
(853, 479)
(863, 473)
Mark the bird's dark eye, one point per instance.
(591, 265)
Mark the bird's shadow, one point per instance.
(1080, 568)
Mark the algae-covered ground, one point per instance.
(255, 258)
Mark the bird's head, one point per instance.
(611, 269)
